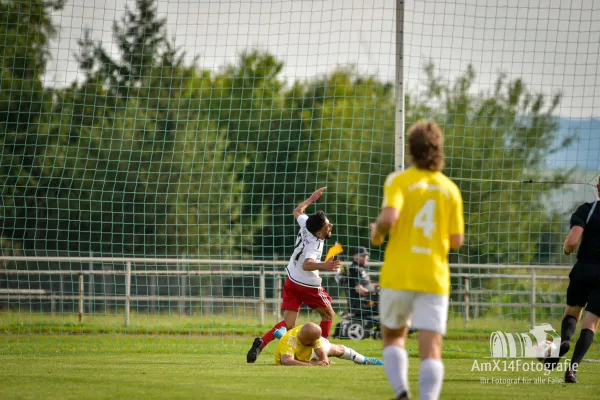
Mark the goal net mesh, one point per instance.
(153, 153)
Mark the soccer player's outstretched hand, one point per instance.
(318, 193)
(319, 363)
(331, 265)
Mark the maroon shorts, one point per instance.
(294, 295)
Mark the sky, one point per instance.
(584, 152)
(553, 45)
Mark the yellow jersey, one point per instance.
(289, 344)
(431, 209)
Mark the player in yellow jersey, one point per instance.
(305, 346)
(423, 213)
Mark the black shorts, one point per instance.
(584, 287)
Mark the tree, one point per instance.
(141, 39)
(345, 135)
(154, 160)
(130, 165)
(25, 109)
(119, 196)
(247, 100)
(151, 155)
(333, 131)
(496, 146)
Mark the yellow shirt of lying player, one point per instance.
(289, 344)
(430, 211)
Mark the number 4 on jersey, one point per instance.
(424, 218)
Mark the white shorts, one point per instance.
(326, 347)
(425, 311)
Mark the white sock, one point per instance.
(395, 362)
(352, 355)
(431, 377)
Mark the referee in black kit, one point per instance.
(584, 285)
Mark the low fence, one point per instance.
(463, 296)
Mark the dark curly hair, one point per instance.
(315, 222)
(425, 142)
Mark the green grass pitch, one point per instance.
(204, 357)
(118, 367)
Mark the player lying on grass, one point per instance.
(304, 346)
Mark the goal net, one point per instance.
(153, 152)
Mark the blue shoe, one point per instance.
(372, 361)
(280, 332)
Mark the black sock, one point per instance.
(586, 337)
(568, 327)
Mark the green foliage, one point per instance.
(25, 107)
(346, 124)
(151, 155)
(495, 141)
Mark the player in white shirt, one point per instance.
(303, 284)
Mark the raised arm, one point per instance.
(299, 210)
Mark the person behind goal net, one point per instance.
(584, 286)
(423, 213)
(303, 283)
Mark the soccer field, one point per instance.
(170, 356)
(175, 171)
(194, 367)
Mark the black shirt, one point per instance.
(589, 220)
(357, 275)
